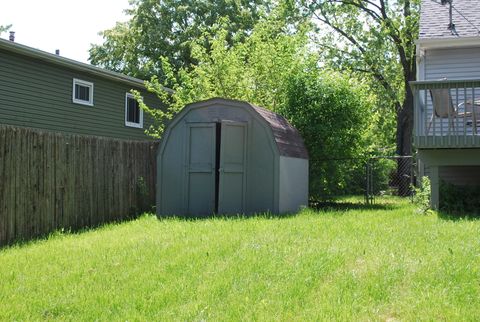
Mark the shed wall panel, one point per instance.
(293, 184)
(171, 177)
(261, 171)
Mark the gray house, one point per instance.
(46, 91)
(226, 156)
(447, 94)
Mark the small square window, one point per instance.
(82, 92)
(133, 112)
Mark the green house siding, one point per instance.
(38, 94)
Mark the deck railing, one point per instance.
(447, 113)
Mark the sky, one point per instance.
(70, 26)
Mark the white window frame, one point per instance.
(86, 84)
(132, 124)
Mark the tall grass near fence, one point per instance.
(50, 181)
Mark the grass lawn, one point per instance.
(384, 263)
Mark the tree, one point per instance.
(166, 28)
(255, 70)
(374, 39)
(333, 113)
(275, 68)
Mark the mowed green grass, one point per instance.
(383, 264)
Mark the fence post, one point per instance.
(369, 197)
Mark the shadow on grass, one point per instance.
(335, 206)
(21, 242)
(347, 205)
(263, 215)
(458, 215)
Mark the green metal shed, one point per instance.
(225, 156)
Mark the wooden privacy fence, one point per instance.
(50, 181)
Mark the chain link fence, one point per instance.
(372, 177)
(389, 176)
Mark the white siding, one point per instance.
(452, 63)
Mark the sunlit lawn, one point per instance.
(345, 263)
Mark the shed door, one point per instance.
(231, 196)
(201, 169)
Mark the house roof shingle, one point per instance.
(434, 19)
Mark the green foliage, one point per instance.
(382, 174)
(332, 112)
(166, 28)
(422, 196)
(329, 265)
(375, 41)
(248, 49)
(255, 70)
(269, 61)
(460, 200)
(274, 68)
(142, 196)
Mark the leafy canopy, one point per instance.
(255, 70)
(375, 41)
(274, 67)
(333, 113)
(166, 28)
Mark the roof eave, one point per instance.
(447, 42)
(70, 63)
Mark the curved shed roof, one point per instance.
(289, 141)
(287, 138)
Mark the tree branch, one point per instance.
(372, 13)
(345, 52)
(381, 18)
(340, 31)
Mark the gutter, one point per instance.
(448, 42)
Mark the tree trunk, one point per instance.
(404, 141)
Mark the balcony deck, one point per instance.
(447, 114)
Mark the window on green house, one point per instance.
(133, 112)
(82, 92)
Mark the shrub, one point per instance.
(421, 197)
(331, 112)
(459, 200)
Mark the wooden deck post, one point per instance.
(434, 183)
